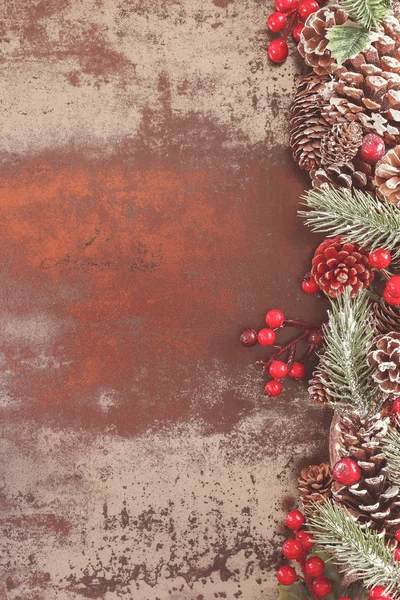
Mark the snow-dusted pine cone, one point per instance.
(340, 145)
(318, 391)
(385, 357)
(340, 176)
(387, 176)
(337, 265)
(314, 483)
(386, 317)
(313, 41)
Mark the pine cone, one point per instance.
(340, 176)
(318, 391)
(387, 176)
(307, 125)
(337, 265)
(340, 145)
(314, 483)
(313, 41)
(385, 357)
(373, 501)
(386, 317)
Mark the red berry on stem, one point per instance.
(249, 337)
(297, 31)
(346, 471)
(393, 286)
(316, 338)
(297, 371)
(306, 8)
(273, 388)
(278, 51)
(277, 21)
(274, 318)
(278, 369)
(397, 554)
(396, 408)
(286, 5)
(372, 148)
(266, 337)
(286, 575)
(292, 549)
(305, 538)
(309, 285)
(397, 534)
(322, 586)
(377, 592)
(389, 299)
(295, 520)
(315, 566)
(380, 259)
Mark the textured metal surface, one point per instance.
(148, 213)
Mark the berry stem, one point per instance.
(289, 346)
(299, 324)
(291, 23)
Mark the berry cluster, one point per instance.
(277, 369)
(289, 15)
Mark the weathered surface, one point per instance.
(148, 212)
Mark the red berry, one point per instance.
(393, 286)
(344, 598)
(372, 148)
(292, 549)
(295, 520)
(309, 285)
(266, 337)
(322, 586)
(392, 300)
(315, 566)
(380, 259)
(346, 471)
(278, 369)
(305, 538)
(316, 338)
(376, 592)
(278, 51)
(277, 21)
(286, 575)
(306, 8)
(396, 408)
(297, 371)
(397, 534)
(273, 388)
(297, 31)
(249, 338)
(286, 5)
(397, 554)
(274, 318)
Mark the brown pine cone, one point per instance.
(314, 483)
(318, 391)
(337, 265)
(385, 357)
(386, 317)
(373, 501)
(340, 145)
(387, 176)
(340, 176)
(313, 41)
(307, 126)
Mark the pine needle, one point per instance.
(391, 450)
(357, 217)
(368, 13)
(362, 552)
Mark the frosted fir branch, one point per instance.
(361, 552)
(356, 216)
(343, 367)
(368, 13)
(391, 450)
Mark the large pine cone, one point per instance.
(385, 357)
(308, 127)
(373, 501)
(313, 41)
(340, 145)
(386, 317)
(337, 265)
(387, 176)
(318, 391)
(314, 483)
(335, 175)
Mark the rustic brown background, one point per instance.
(148, 213)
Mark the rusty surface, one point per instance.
(148, 214)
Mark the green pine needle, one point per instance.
(368, 13)
(343, 367)
(357, 217)
(361, 552)
(391, 449)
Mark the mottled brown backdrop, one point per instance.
(148, 213)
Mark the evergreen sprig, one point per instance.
(368, 13)
(343, 367)
(357, 217)
(391, 450)
(361, 552)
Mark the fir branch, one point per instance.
(343, 367)
(391, 450)
(357, 217)
(362, 552)
(368, 13)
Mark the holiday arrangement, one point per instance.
(344, 540)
